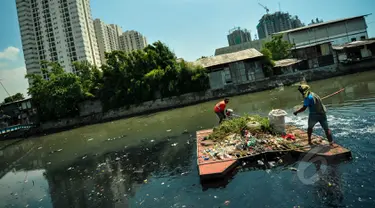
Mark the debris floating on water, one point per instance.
(169, 130)
(174, 144)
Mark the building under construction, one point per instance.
(277, 22)
(237, 36)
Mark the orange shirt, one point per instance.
(220, 106)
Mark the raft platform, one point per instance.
(214, 168)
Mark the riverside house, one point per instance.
(238, 68)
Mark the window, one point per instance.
(363, 37)
(227, 76)
(354, 39)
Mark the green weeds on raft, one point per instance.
(236, 125)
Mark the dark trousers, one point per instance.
(221, 116)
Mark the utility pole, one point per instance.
(5, 89)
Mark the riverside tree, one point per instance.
(279, 48)
(125, 79)
(14, 98)
(142, 75)
(57, 97)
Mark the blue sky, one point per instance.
(191, 28)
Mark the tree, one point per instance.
(91, 77)
(14, 98)
(142, 75)
(268, 63)
(59, 96)
(125, 79)
(279, 48)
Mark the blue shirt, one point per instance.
(310, 103)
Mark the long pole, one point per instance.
(330, 95)
(4, 88)
(333, 93)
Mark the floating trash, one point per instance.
(271, 163)
(169, 130)
(90, 139)
(174, 144)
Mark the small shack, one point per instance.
(286, 66)
(356, 51)
(19, 112)
(233, 68)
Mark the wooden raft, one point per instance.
(218, 168)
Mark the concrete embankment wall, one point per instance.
(91, 111)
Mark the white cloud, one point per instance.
(14, 81)
(10, 53)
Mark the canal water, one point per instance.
(150, 161)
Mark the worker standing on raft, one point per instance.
(317, 112)
(220, 109)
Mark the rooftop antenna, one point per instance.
(279, 7)
(267, 10)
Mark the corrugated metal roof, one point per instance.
(320, 24)
(229, 58)
(354, 44)
(286, 62)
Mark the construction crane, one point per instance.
(267, 10)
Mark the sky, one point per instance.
(191, 28)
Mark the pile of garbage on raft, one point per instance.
(251, 135)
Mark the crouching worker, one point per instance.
(317, 112)
(220, 109)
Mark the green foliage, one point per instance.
(236, 125)
(268, 63)
(91, 78)
(279, 48)
(14, 98)
(125, 79)
(142, 75)
(58, 97)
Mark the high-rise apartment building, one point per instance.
(57, 30)
(107, 37)
(132, 40)
(118, 30)
(237, 36)
(277, 22)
